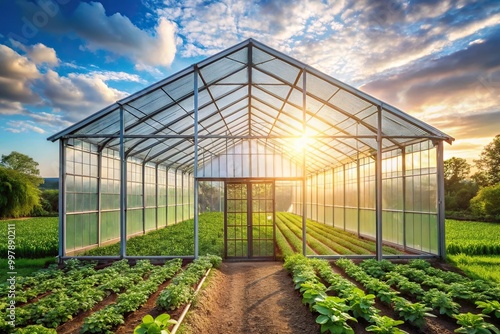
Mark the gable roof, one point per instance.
(251, 91)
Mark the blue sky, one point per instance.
(62, 60)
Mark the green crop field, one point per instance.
(474, 247)
(32, 237)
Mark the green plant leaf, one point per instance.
(148, 319)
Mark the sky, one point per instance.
(63, 60)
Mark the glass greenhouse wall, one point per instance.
(252, 133)
(156, 197)
(344, 197)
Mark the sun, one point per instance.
(302, 143)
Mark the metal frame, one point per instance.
(226, 113)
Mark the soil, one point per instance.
(250, 297)
(258, 297)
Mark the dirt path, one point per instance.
(251, 297)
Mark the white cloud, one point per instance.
(11, 108)
(38, 53)
(77, 95)
(118, 35)
(17, 74)
(114, 76)
(23, 126)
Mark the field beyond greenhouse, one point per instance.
(416, 296)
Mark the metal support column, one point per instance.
(195, 170)
(176, 199)
(358, 191)
(440, 201)
(156, 196)
(249, 72)
(403, 167)
(143, 186)
(99, 197)
(123, 188)
(62, 199)
(304, 177)
(378, 182)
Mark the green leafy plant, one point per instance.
(35, 329)
(174, 296)
(333, 315)
(474, 324)
(158, 325)
(361, 304)
(414, 313)
(102, 321)
(441, 301)
(311, 291)
(385, 325)
(490, 307)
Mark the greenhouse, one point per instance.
(253, 134)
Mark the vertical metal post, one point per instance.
(249, 71)
(143, 167)
(99, 197)
(403, 167)
(62, 199)
(175, 194)
(167, 200)
(344, 178)
(182, 196)
(195, 186)
(358, 191)
(156, 196)
(440, 201)
(378, 181)
(304, 177)
(123, 188)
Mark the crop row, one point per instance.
(473, 248)
(80, 287)
(336, 312)
(292, 238)
(337, 245)
(34, 237)
(51, 279)
(414, 312)
(112, 315)
(323, 239)
(80, 294)
(316, 246)
(181, 290)
(410, 276)
(472, 238)
(175, 240)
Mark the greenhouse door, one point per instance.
(249, 231)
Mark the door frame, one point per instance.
(249, 219)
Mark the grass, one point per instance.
(474, 248)
(34, 237)
(25, 267)
(486, 267)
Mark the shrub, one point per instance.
(487, 201)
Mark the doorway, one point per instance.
(249, 229)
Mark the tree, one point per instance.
(21, 163)
(456, 170)
(19, 181)
(18, 194)
(488, 164)
(487, 202)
